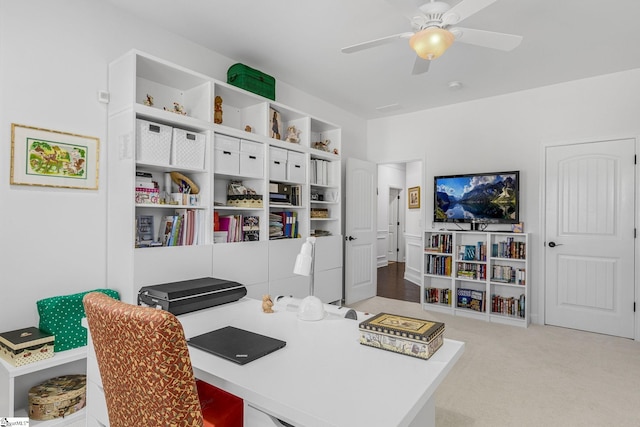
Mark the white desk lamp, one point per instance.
(311, 308)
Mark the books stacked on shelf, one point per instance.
(471, 299)
(509, 248)
(441, 243)
(438, 296)
(320, 233)
(280, 194)
(476, 252)
(276, 227)
(509, 306)
(400, 334)
(283, 225)
(181, 229)
(466, 270)
(237, 228)
(439, 265)
(508, 274)
(146, 189)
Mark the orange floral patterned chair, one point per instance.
(146, 369)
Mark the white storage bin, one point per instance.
(296, 171)
(187, 149)
(251, 159)
(277, 164)
(227, 155)
(153, 142)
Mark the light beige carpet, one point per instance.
(535, 376)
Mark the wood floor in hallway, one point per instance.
(391, 284)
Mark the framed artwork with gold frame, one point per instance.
(51, 158)
(413, 197)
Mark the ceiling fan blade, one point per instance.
(421, 66)
(491, 39)
(463, 10)
(377, 42)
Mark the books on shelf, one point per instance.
(510, 248)
(181, 229)
(508, 274)
(438, 296)
(401, 334)
(471, 299)
(237, 228)
(439, 265)
(283, 225)
(509, 306)
(475, 252)
(439, 243)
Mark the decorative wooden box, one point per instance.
(24, 346)
(57, 397)
(400, 334)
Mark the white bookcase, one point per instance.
(232, 154)
(477, 274)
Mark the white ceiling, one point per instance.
(299, 42)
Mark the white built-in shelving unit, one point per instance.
(231, 153)
(477, 274)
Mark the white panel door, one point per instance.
(360, 227)
(392, 250)
(589, 248)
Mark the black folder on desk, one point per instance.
(237, 345)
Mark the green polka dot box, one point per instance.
(62, 316)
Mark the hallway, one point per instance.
(391, 284)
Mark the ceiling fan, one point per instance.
(434, 32)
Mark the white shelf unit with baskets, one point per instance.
(213, 155)
(477, 274)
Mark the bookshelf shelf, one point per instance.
(485, 270)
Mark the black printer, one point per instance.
(190, 295)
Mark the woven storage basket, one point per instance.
(57, 397)
(153, 142)
(187, 149)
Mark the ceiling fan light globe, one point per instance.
(431, 42)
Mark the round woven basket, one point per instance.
(57, 397)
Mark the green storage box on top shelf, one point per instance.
(252, 80)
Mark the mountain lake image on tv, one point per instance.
(479, 197)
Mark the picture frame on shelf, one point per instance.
(275, 124)
(413, 197)
(51, 158)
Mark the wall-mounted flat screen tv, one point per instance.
(477, 198)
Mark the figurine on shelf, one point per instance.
(322, 145)
(177, 108)
(247, 128)
(335, 151)
(149, 101)
(293, 134)
(267, 304)
(217, 110)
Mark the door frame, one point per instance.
(545, 145)
(400, 226)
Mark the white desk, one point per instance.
(324, 376)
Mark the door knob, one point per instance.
(554, 244)
(350, 238)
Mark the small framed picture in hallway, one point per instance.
(413, 197)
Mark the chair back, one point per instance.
(144, 364)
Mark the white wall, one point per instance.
(53, 60)
(507, 133)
